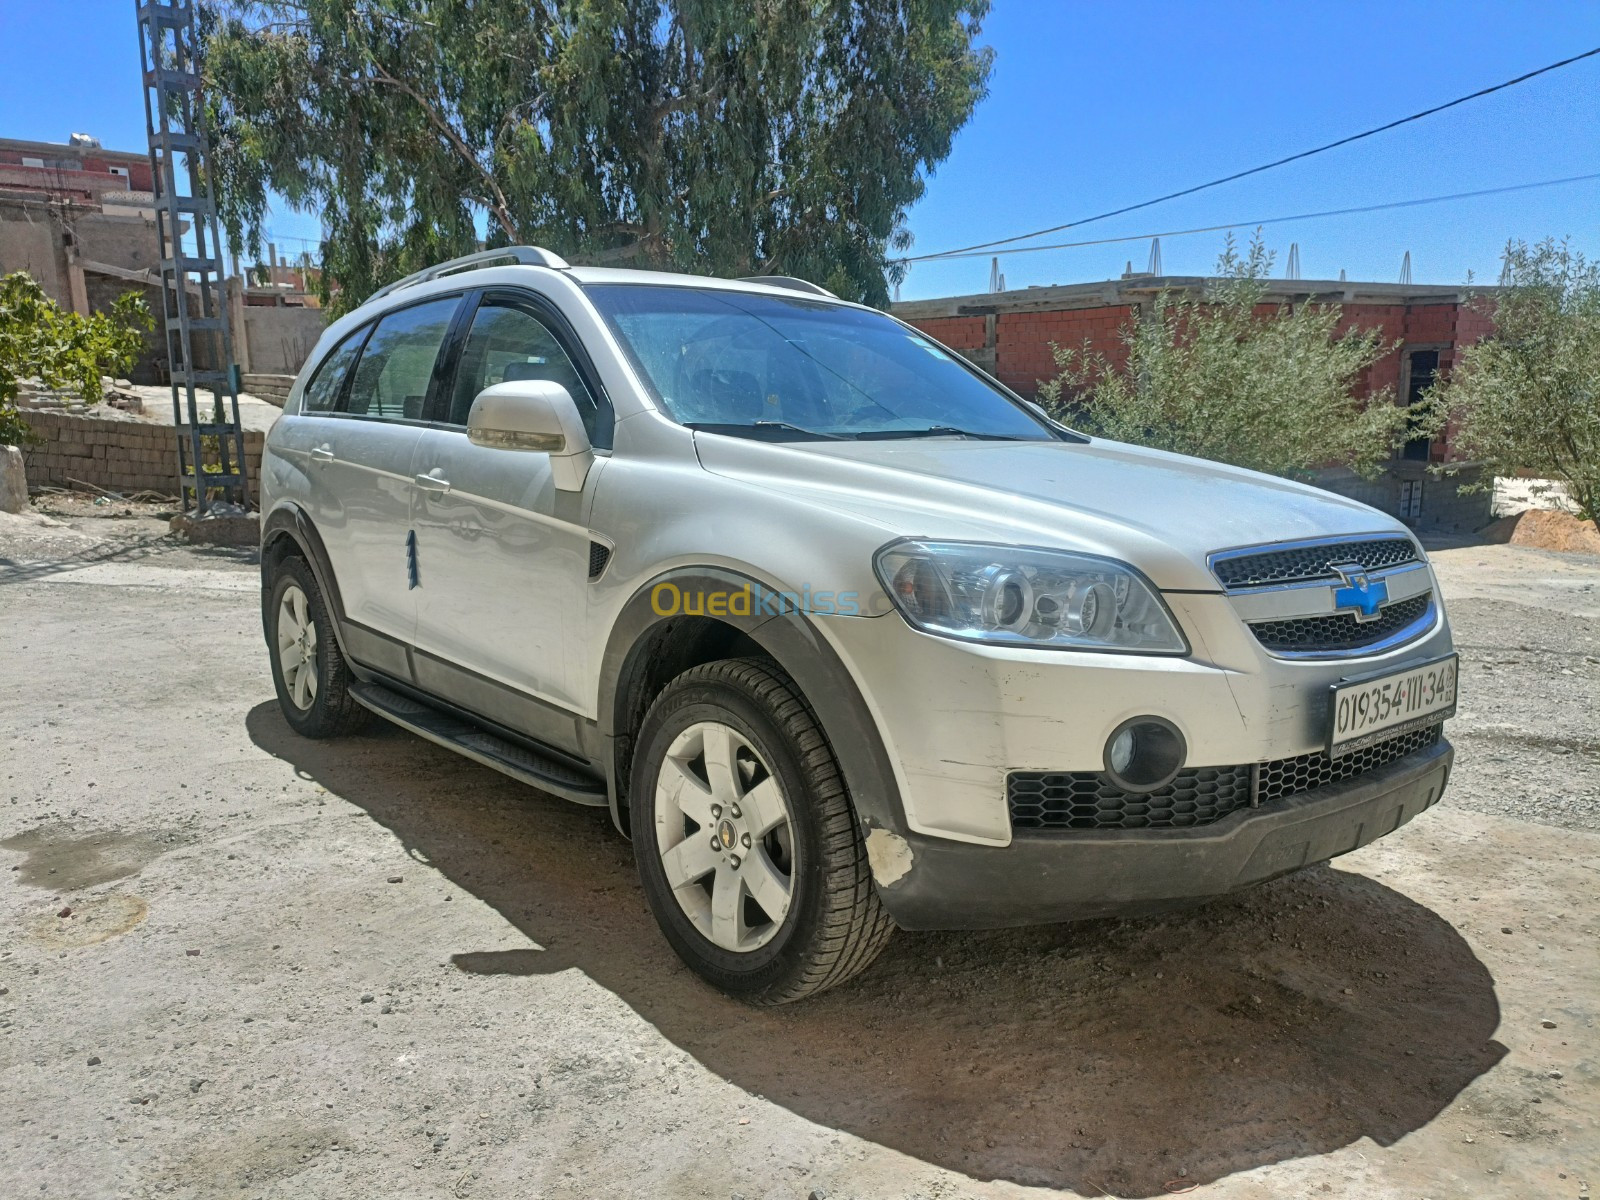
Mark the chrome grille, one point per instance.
(1087, 800)
(1298, 563)
(1340, 631)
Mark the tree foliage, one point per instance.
(711, 136)
(1214, 376)
(1528, 397)
(38, 338)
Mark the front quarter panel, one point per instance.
(662, 511)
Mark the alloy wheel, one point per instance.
(725, 834)
(297, 647)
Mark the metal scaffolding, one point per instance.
(211, 462)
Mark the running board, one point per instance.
(522, 764)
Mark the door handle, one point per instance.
(433, 481)
(322, 454)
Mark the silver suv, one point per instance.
(842, 633)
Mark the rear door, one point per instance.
(305, 441)
(365, 459)
(503, 557)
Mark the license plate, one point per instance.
(1369, 710)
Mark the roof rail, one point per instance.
(791, 282)
(532, 256)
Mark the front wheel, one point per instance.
(745, 837)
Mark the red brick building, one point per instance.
(1010, 334)
(79, 170)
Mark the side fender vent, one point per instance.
(599, 556)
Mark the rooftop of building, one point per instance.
(1133, 288)
(78, 146)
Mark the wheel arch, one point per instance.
(288, 532)
(647, 649)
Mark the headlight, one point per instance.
(1026, 597)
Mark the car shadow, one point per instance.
(1111, 1057)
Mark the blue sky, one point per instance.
(1096, 105)
(1093, 106)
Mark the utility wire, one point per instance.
(1331, 212)
(1200, 187)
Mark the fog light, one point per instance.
(1144, 754)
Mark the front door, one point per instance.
(502, 556)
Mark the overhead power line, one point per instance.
(1200, 187)
(1331, 212)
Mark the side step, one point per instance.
(519, 762)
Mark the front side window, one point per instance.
(506, 343)
(783, 367)
(322, 393)
(397, 364)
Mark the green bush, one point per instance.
(1528, 397)
(1212, 376)
(63, 350)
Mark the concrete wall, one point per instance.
(274, 389)
(1423, 500)
(30, 240)
(45, 241)
(120, 239)
(279, 340)
(36, 238)
(103, 291)
(119, 456)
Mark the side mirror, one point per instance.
(536, 415)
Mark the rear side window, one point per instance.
(322, 393)
(397, 364)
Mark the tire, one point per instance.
(741, 723)
(313, 692)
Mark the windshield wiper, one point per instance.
(933, 431)
(736, 429)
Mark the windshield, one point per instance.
(792, 368)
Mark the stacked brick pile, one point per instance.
(119, 456)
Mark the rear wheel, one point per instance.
(746, 840)
(308, 671)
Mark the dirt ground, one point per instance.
(235, 963)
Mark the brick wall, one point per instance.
(1011, 334)
(119, 456)
(1023, 356)
(959, 333)
(1390, 321)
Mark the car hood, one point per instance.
(1163, 513)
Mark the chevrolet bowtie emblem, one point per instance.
(1360, 595)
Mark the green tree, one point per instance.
(709, 136)
(1214, 376)
(1528, 397)
(40, 339)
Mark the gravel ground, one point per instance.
(1526, 731)
(237, 963)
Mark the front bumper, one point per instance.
(955, 718)
(1063, 876)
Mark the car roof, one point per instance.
(600, 275)
(512, 259)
